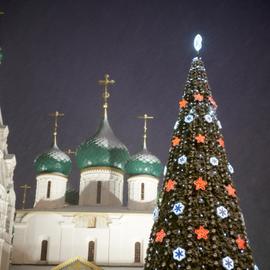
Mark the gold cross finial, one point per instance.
(25, 187)
(145, 117)
(106, 82)
(56, 115)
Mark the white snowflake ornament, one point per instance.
(178, 208)
(214, 161)
(189, 118)
(222, 212)
(208, 118)
(227, 263)
(165, 170)
(155, 214)
(230, 168)
(182, 160)
(176, 125)
(179, 254)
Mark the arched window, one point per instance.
(44, 249)
(91, 251)
(142, 191)
(99, 192)
(137, 252)
(49, 189)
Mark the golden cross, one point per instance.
(70, 152)
(145, 117)
(56, 115)
(106, 82)
(25, 187)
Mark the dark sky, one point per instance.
(55, 51)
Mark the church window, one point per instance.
(44, 248)
(142, 191)
(99, 192)
(49, 189)
(137, 254)
(91, 251)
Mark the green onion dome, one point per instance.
(103, 149)
(53, 161)
(144, 163)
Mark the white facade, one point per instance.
(101, 186)
(118, 236)
(142, 192)
(50, 190)
(7, 198)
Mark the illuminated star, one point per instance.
(200, 184)
(221, 142)
(200, 138)
(241, 243)
(198, 97)
(231, 190)
(160, 235)
(202, 233)
(182, 103)
(170, 185)
(176, 141)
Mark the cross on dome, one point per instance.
(56, 115)
(145, 117)
(106, 82)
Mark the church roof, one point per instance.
(144, 163)
(103, 149)
(53, 161)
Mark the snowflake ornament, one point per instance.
(155, 214)
(219, 124)
(230, 168)
(165, 170)
(208, 118)
(189, 118)
(222, 212)
(228, 263)
(214, 161)
(176, 125)
(178, 208)
(179, 254)
(182, 160)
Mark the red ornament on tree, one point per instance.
(160, 235)
(202, 233)
(200, 184)
(170, 185)
(241, 243)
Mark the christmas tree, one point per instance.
(198, 223)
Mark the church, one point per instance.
(101, 229)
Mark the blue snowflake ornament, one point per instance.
(230, 168)
(179, 254)
(155, 214)
(222, 212)
(227, 263)
(178, 208)
(208, 118)
(182, 160)
(189, 118)
(214, 161)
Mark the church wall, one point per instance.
(69, 234)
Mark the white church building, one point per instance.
(101, 228)
(7, 197)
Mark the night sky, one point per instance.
(56, 51)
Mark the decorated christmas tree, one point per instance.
(198, 223)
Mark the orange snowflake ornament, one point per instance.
(176, 141)
(183, 103)
(200, 138)
(170, 185)
(221, 142)
(202, 233)
(200, 184)
(198, 97)
(241, 243)
(231, 190)
(160, 235)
